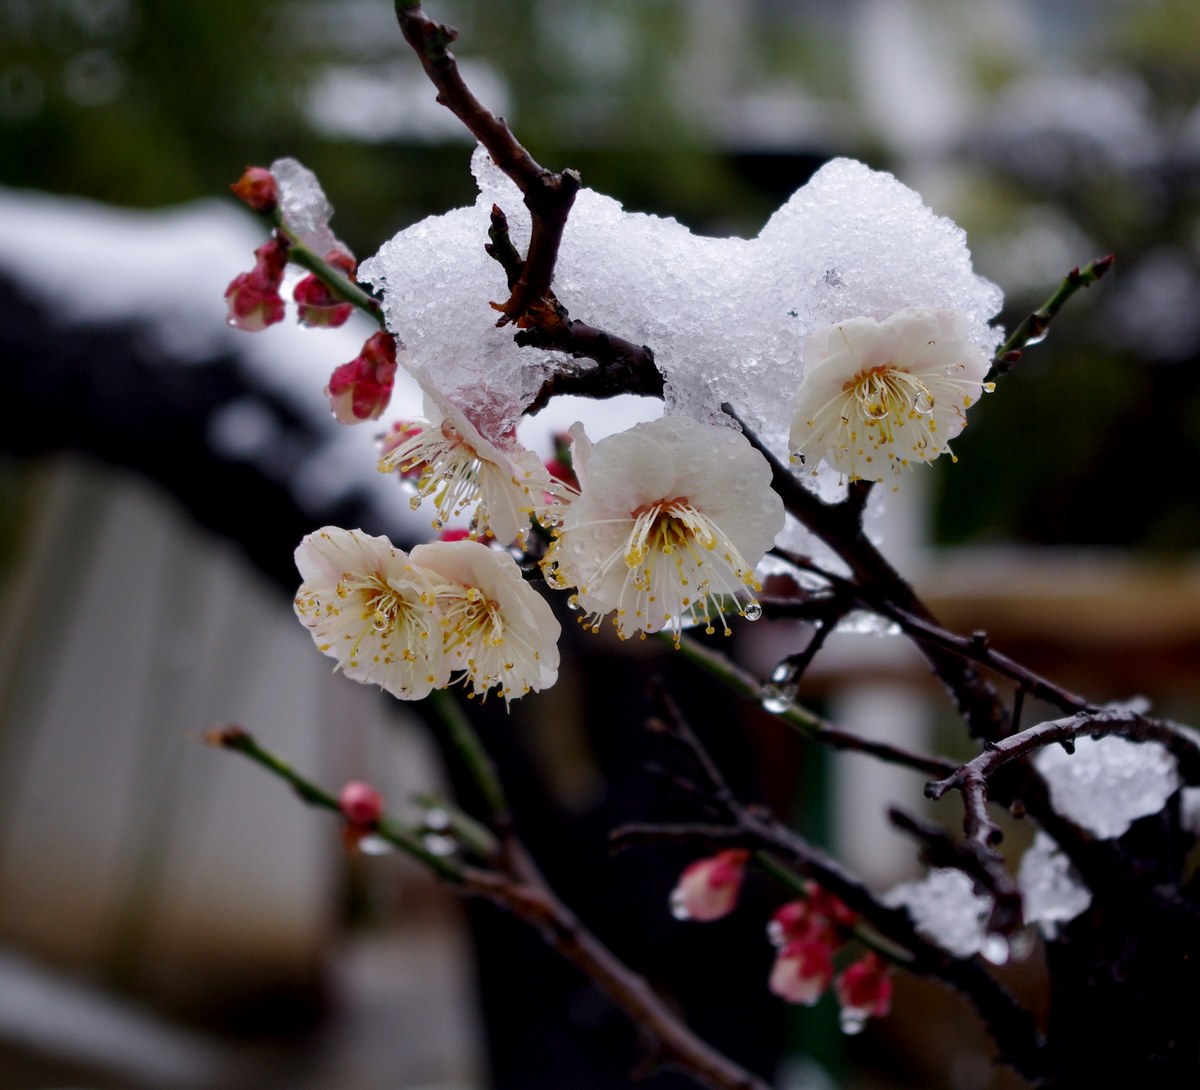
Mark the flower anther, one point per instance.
(449, 460)
(879, 397)
(672, 517)
(497, 631)
(373, 610)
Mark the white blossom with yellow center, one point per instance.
(368, 606)
(672, 517)
(456, 466)
(879, 397)
(497, 631)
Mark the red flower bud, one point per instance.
(802, 971)
(708, 889)
(318, 306)
(830, 907)
(361, 389)
(257, 188)
(864, 991)
(343, 261)
(361, 804)
(254, 303)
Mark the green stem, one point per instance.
(717, 665)
(465, 740)
(336, 281)
(242, 742)
(1034, 327)
(770, 866)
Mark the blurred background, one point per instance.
(169, 918)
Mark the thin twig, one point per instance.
(1033, 329)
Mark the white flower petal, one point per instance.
(371, 609)
(498, 631)
(879, 397)
(672, 518)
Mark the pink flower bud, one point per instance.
(708, 889)
(832, 908)
(343, 261)
(797, 920)
(317, 305)
(802, 971)
(253, 297)
(254, 303)
(456, 533)
(864, 991)
(361, 804)
(361, 389)
(257, 188)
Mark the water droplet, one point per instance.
(782, 673)
(439, 844)
(380, 621)
(777, 698)
(573, 602)
(437, 820)
(679, 906)
(752, 612)
(923, 402)
(875, 410)
(995, 949)
(414, 502)
(776, 935)
(1037, 338)
(373, 844)
(852, 1021)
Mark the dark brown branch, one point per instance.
(975, 858)
(1011, 1026)
(747, 685)
(839, 525)
(547, 195)
(527, 896)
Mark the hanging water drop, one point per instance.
(995, 949)
(923, 402)
(679, 906)
(379, 622)
(752, 612)
(437, 820)
(777, 698)
(373, 844)
(439, 844)
(414, 502)
(851, 1021)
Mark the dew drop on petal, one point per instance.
(679, 906)
(995, 948)
(439, 844)
(851, 1021)
(923, 403)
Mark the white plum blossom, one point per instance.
(497, 630)
(368, 606)
(880, 396)
(453, 463)
(672, 517)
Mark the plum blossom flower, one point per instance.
(864, 991)
(361, 389)
(670, 521)
(496, 629)
(803, 970)
(368, 606)
(878, 397)
(457, 466)
(708, 889)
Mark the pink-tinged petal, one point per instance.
(708, 889)
(802, 971)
